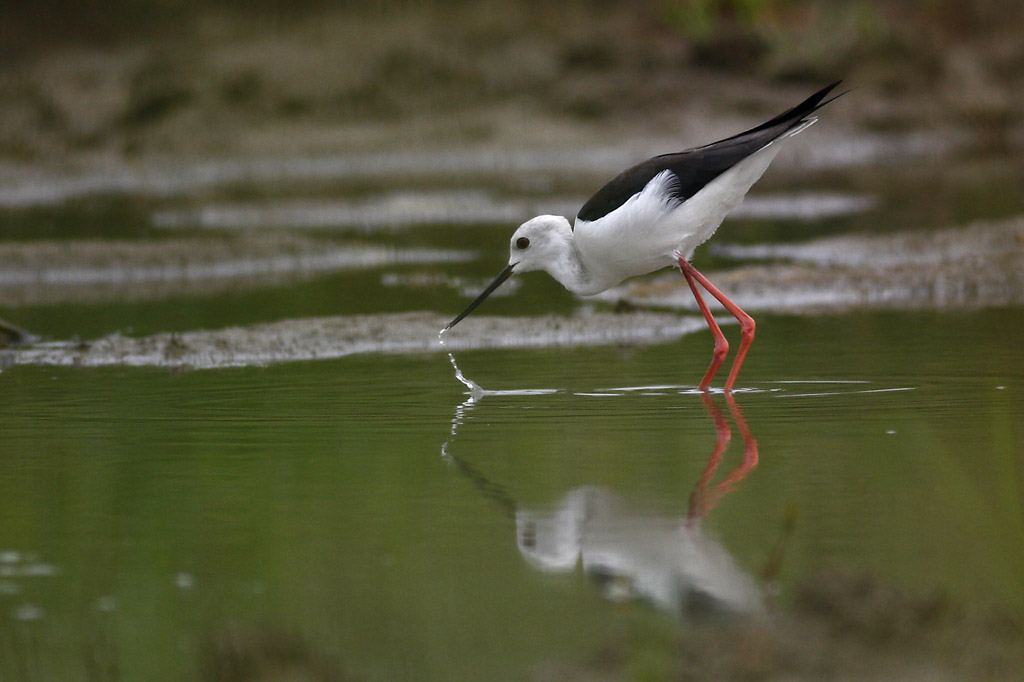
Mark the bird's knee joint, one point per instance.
(747, 328)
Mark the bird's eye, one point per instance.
(522, 243)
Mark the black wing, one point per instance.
(696, 167)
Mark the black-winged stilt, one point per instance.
(654, 215)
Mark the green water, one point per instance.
(361, 513)
(313, 499)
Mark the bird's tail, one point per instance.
(792, 121)
(800, 115)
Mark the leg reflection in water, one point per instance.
(705, 495)
(664, 559)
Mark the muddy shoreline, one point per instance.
(94, 271)
(970, 266)
(973, 266)
(329, 338)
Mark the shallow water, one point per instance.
(372, 513)
(370, 504)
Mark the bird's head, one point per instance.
(539, 243)
(536, 245)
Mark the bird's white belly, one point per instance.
(644, 233)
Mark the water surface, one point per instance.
(369, 507)
(367, 515)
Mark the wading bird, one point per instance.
(654, 215)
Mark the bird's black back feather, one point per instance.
(695, 168)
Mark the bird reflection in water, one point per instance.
(666, 560)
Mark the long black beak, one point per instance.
(505, 274)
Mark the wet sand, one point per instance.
(335, 337)
(971, 266)
(977, 265)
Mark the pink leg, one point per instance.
(746, 324)
(721, 343)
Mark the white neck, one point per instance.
(567, 266)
